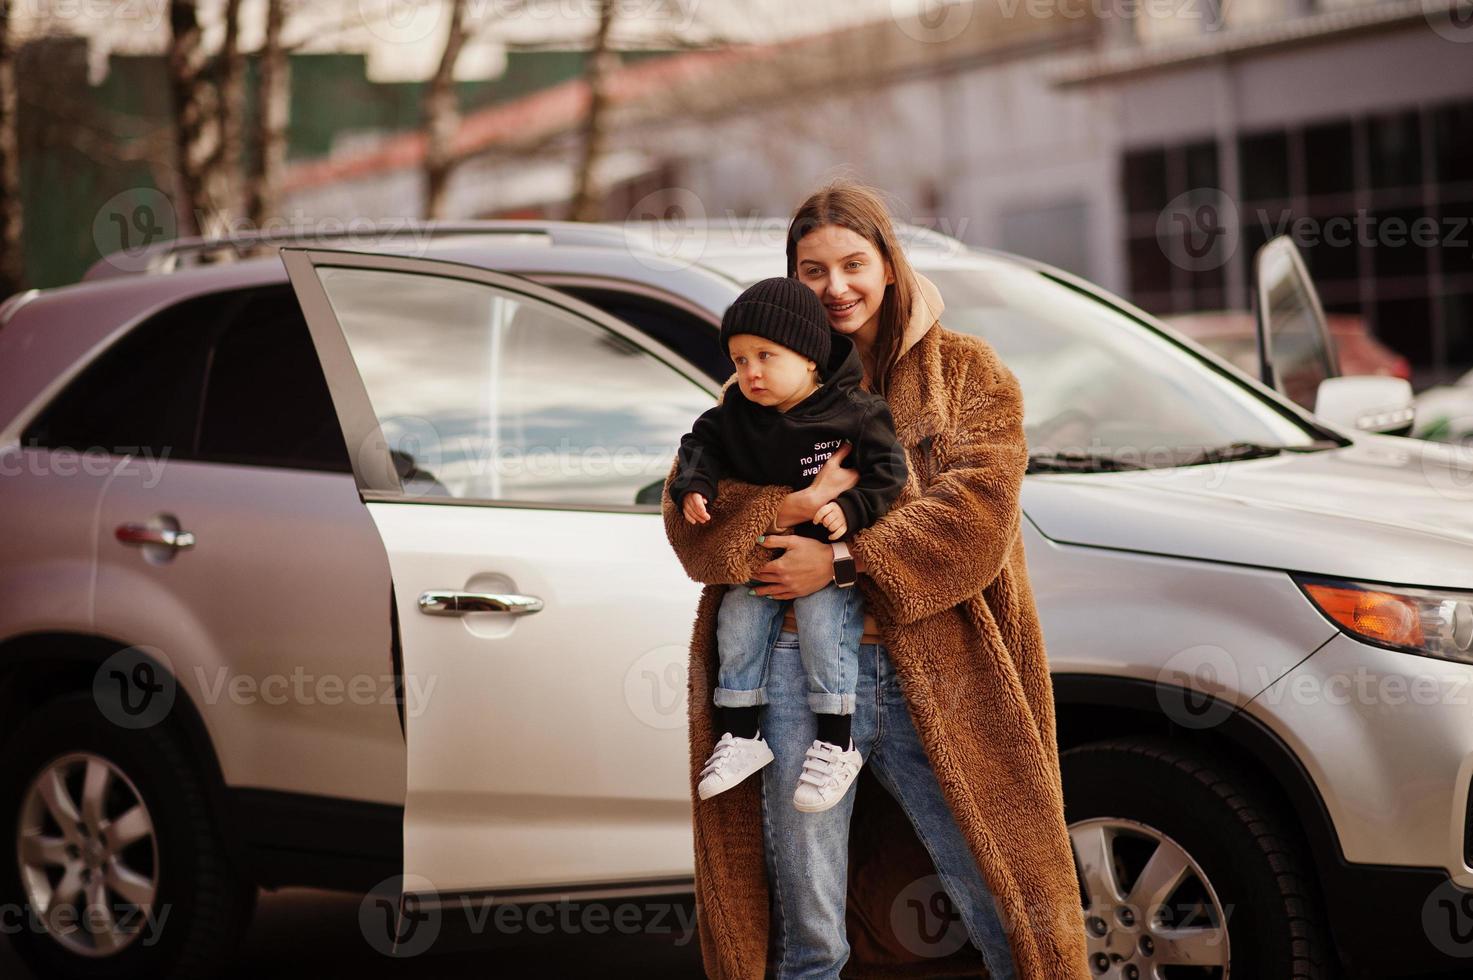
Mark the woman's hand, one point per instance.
(833, 479)
(829, 482)
(805, 567)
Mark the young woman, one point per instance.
(954, 712)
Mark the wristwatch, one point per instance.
(845, 574)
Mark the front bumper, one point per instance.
(1386, 738)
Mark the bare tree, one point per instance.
(268, 159)
(12, 266)
(224, 168)
(195, 119)
(442, 116)
(587, 197)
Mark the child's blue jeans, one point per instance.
(830, 624)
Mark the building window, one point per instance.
(1381, 205)
(1263, 165)
(1170, 195)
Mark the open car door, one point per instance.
(506, 440)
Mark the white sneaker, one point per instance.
(733, 760)
(827, 774)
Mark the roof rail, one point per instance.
(924, 236)
(171, 255)
(174, 254)
(771, 230)
(12, 304)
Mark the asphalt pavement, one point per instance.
(303, 933)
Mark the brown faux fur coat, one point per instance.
(947, 582)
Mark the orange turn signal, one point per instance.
(1377, 615)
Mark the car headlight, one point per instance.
(1432, 622)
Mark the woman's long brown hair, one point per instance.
(862, 210)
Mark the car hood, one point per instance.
(1384, 509)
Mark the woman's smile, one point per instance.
(838, 311)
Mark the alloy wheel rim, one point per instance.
(1150, 911)
(88, 854)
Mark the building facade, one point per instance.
(1149, 148)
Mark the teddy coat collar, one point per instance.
(930, 415)
(947, 583)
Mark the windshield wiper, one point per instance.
(1087, 462)
(1232, 451)
(1252, 450)
(1077, 462)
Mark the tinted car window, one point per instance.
(230, 377)
(265, 400)
(688, 335)
(141, 395)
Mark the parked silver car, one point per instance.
(344, 568)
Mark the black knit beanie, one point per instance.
(784, 311)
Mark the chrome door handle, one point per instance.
(460, 603)
(141, 534)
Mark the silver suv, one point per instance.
(344, 568)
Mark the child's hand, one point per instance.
(694, 507)
(831, 516)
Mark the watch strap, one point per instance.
(845, 573)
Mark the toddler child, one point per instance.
(797, 399)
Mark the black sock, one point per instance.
(741, 722)
(835, 729)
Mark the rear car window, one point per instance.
(265, 401)
(141, 395)
(230, 377)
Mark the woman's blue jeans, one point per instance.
(808, 853)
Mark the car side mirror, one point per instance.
(1295, 351)
(1371, 403)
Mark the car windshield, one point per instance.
(1100, 390)
(1096, 383)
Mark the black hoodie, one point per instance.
(758, 444)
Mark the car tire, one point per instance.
(1143, 812)
(200, 907)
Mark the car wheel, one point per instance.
(1184, 873)
(110, 852)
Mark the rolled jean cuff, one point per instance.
(831, 704)
(727, 697)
